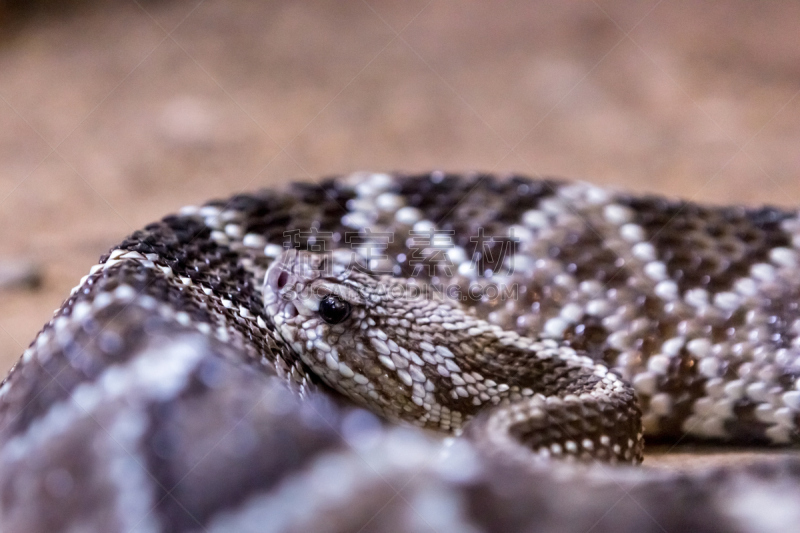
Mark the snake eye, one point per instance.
(333, 309)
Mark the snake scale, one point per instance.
(265, 363)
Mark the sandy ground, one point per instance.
(120, 112)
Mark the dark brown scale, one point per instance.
(618, 419)
(587, 258)
(589, 335)
(268, 222)
(434, 194)
(685, 385)
(467, 207)
(746, 428)
(508, 364)
(784, 310)
(708, 247)
(522, 194)
(491, 206)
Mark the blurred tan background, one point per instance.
(113, 114)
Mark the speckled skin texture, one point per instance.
(153, 399)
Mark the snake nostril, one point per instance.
(283, 278)
(290, 311)
(277, 277)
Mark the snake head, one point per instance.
(387, 343)
(336, 320)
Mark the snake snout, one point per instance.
(279, 281)
(289, 284)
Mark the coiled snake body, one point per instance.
(547, 323)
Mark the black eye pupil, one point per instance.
(333, 309)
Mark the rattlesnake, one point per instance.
(543, 324)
